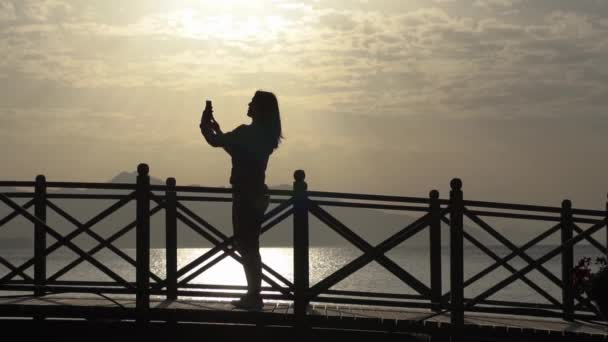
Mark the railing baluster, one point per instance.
(456, 254)
(143, 243)
(171, 238)
(40, 236)
(435, 246)
(300, 246)
(567, 260)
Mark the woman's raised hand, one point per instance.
(214, 125)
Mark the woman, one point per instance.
(250, 147)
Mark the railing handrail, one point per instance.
(281, 192)
(530, 207)
(363, 205)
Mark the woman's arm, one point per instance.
(212, 133)
(215, 137)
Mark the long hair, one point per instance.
(267, 107)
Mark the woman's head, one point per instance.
(264, 109)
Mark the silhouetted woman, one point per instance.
(250, 147)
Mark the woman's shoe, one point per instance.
(238, 301)
(254, 303)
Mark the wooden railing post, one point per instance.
(456, 254)
(171, 238)
(435, 250)
(300, 246)
(567, 260)
(40, 236)
(606, 230)
(143, 243)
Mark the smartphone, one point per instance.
(209, 107)
(206, 117)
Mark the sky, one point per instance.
(379, 96)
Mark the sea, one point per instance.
(325, 261)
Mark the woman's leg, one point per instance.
(259, 206)
(252, 250)
(246, 224)
(252, 264)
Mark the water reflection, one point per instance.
(323, 262)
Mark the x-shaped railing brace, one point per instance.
(225, 245)
(370, 253)
(66, 240)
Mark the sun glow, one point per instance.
(227, 25)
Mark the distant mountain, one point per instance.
(373, 225)
(131, 178)
(281, 187)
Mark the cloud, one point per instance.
(424, 59)
(338, 21)
(99, 66)
(45, 10)
(7, 12)
(494, 4)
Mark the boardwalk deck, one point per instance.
(275, 313)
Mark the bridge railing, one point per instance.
(438, 215)
(564, 221)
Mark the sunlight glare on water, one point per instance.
(229, 271)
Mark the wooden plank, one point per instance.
(525, 207)
(514, 216)
(338, 316)
(567, 259)
(217, 199)
(171, 239)
(142, 242)
(382, 198)
(89, 185)
(84, 196)
(435, 250)
(18, 194)
(301, 250)
(182, 188)
(40, 260)
(373, 294)
(371, 206)
(17, 184)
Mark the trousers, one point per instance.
(248, 210)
